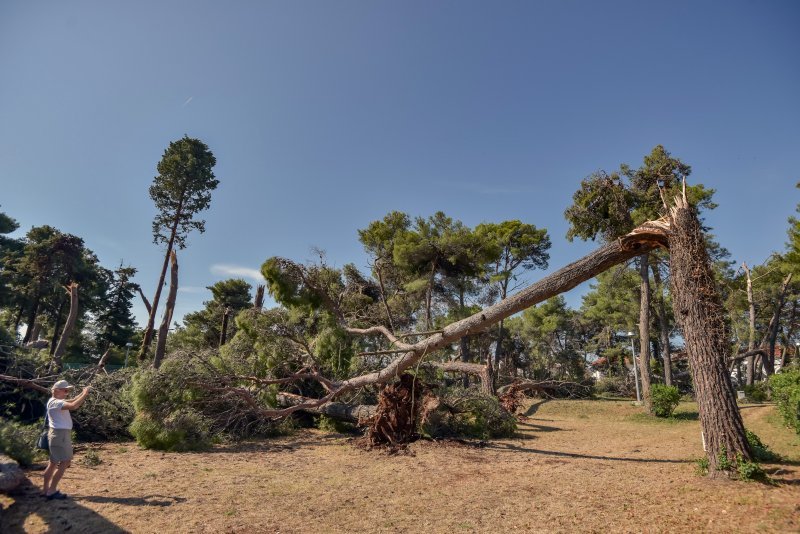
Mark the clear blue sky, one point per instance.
(324, 116)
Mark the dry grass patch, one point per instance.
(575, 466)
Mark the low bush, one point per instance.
(786, 394)
(17, 441)
(665, 399)
(183, 430)
(761, 452)
(756, 392)
(468, 414)
(612, 386)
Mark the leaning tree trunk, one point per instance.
(644, 332)
(70, 324)
(163, 331)
(144, 300)
(151, 317)
(699, 312)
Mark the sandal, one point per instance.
(57, 496)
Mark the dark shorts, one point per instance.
(60, 444)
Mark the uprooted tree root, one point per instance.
(395, 420)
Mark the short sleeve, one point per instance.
(56, 404)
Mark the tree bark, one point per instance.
(70, 324)
(663, 327)
(699, 312)
(163, 331)
(644, 331)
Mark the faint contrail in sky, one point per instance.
(187, 101)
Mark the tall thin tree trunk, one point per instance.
(68, 326)
(644, 332)
(163, 331)
(31, 320)
(148, 331)
(223, 335)
(144, 300)
(383, 297)
(18, 319)
(789, 335)
(751, 336)
(698, 310)
(463, 346)
(429, 297)
(769, 361)
(663, 326)
(57, 325)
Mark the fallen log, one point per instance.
(358, 413)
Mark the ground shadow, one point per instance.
(536, 427)
(149, 500)
(57, 515)
(510, 447)
(533, 408)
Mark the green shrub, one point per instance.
(761, 452)
(786, 394)
(329, 424)
(665, 399)
(468, 414)
(615, 386)
(17, 441)
(183, 430)
(756, 392)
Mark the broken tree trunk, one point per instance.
(698, 310)
(163, 331)
(643, 239)
(258, 302)
(58, 355)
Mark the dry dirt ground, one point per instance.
(585, 466)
